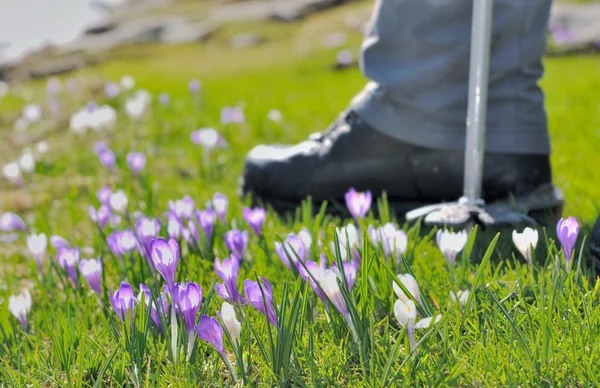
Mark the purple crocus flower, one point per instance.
(194, 86)
(392, 240)
(350, 269)
(330, 283)
(206, 219)
(255, 218)
(358, 203)
(193, 237)
(10, 222)
(560, 34)
(59, 242)
(189, 299)
(111, 89)
(219, 205)
(233, 114)
(209, 330)
(182, 208)
(100, 147)
(291, 250)
(108, 159)
(313, 272)
(237, 242)
(68, 258)
(122, 300)
(208, 138)
(136, 162)
(155, 313)
(164, 99)
(121, 242)
(228, 271)
(147, 229)
(255, 298)
(91, 270)
(101, 216)
(567, 230)
(174, 226)
(103, 195)
(165, 257)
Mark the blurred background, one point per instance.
(287, 67)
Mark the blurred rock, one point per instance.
(280, 10)
(575, 27)
(246, 39)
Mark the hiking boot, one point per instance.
(353, 154)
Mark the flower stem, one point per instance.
(174, 334)
(410, 331)
(229, 366)
(190, 347)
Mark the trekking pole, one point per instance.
(479, 66)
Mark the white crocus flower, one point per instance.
(347, 236)
(37, 245)
(411, 285)
(32, 113)
(19, 306)
(118, 201)
(450, 243)
(461, 296)
(233, 326)
(405, 312)
(127, 82)
(525, 241)
(12, 172)
(27, 162)
(426, 322)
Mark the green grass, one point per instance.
(526, 326)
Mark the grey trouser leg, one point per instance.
(416, 53)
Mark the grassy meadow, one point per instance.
(521, 325)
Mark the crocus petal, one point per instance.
(209, 330)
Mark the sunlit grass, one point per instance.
(526, 326)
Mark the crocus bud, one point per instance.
(101, 216)
(136, 162)
(255, 219)
(91, 270)
(358, 203)
(567, 230)
(68, 258)
(189, 299)
(206, 219)
(209, 330)
(194, 86)
(108, 159)
(233, 326)
(292, 250)
(165, 257)
(411, 285)
(228, 271)
(255, 298)
(122, 300)
(237, 242)
(219, 205)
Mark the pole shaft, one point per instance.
(478, 93)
